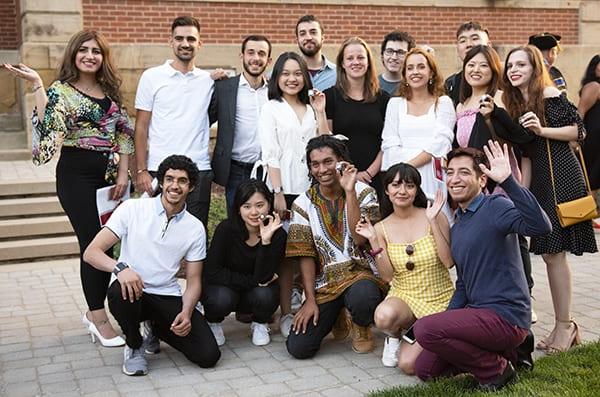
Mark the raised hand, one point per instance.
(24, 72)
(365, 229)
(348, 178)
(486, 105)
(532, 122)
(317, 101)
(434, 209)
(499, 160)
(267, 231)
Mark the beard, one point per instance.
(186, 58)
(310, 52)
(247, 69)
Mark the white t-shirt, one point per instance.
(179, 104)
(153, 246)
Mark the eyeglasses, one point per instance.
(168, 180)
(410, 249)
(390, 51)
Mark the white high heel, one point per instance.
(93, 331)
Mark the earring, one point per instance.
(406, 84)
(430, 81)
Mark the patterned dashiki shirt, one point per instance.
(319, 229)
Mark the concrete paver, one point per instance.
(44, 348)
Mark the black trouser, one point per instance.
(79, 173)
(219, 301)
(525, 256)
(361, 299)
(199, 346)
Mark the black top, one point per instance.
(360, 121)
(233, 263)
(452, 85)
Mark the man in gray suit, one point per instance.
(236, 105)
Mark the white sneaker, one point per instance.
(134, 362)
(260, 334)
(217, 331)
(296, 299)
(389, 358)
(285, 324)
(534, 317)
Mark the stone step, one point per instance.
(15, 154)
(25, 187)
(11, 122)
(30, 206)
(13, 140)
(27, 227)
(38, 248)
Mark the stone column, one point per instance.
(46, 27)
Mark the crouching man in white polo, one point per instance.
(156, 234)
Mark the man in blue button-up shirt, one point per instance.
(489, 315)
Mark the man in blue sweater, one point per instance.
(489, 314)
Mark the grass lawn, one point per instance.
(574, 373)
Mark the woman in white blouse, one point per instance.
(287, 122)
(419, 124)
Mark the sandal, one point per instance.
(574, 339)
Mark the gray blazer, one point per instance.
(222, 109)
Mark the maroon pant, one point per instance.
(477, 341)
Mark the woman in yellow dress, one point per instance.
(411, 248)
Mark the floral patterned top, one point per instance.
(74, 119)
(319, 229)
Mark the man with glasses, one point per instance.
(156, 234)
(489, 315)
(394, 47)
(336, 272)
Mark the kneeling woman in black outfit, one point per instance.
(240, 267)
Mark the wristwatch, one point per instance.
(278, 189)
(119, 267)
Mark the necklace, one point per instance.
(88, 89)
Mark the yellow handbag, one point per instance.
(578, 210)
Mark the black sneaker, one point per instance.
(506, 378)
(524, 350)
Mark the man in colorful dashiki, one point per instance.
(336, 270)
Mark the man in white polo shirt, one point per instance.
(172, 115)
(156, 234)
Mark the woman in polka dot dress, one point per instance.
(531, 97)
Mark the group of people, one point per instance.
(349, 196)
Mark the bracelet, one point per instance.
(368, 173)
(140, 171)
(35, 88)
(376, 252)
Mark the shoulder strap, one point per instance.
(385, 236)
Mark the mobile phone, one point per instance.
(409, 336)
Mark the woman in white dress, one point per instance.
(419, 123)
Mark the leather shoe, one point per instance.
(507, 377)
(524, 350)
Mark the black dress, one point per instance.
(569, 183)
(591, 146)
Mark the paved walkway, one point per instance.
(44, 349)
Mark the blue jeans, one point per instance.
(238, 173)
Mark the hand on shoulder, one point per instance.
(551, 91)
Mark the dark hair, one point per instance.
(590, 72)
(185, 21)
(178, 162)
(243, 193)
(274, 90)
(512, 97)
(408, 174)
(338, 146)
(476, 155)
(471, 25)
(370, 85)
(308, 18)
(255, 37)
(436, 88)
(492, 58)
(398, 36)
(107, 76)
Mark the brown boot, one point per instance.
(341, 328)
(362, 339)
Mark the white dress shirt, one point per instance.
(246, 145)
